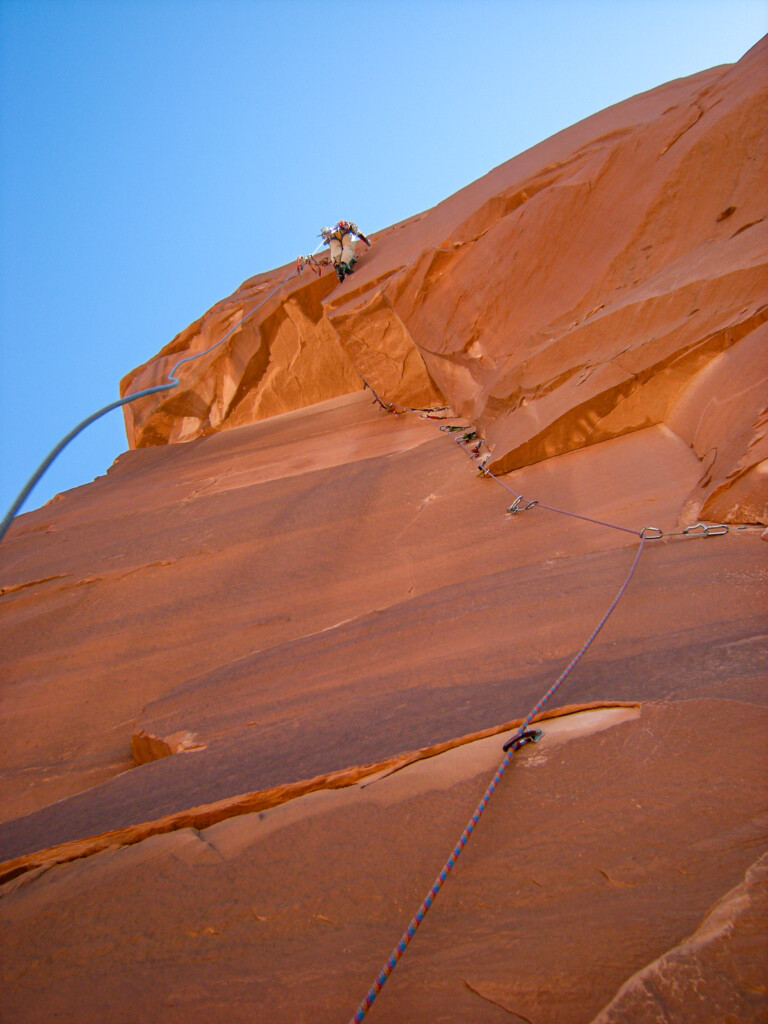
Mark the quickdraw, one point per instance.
(697, 530)
(315, 265)
(517, 505)
(384, 406)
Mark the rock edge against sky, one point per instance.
(611, 278)
(255, 683)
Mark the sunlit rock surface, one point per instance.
(254, 684)
(719, 973)
(611, 278)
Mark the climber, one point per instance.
(341, 239)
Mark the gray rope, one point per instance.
(539, 504)
(509, 748)
(172, 382)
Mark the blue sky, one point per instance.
(156, 153)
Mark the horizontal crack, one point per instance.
(205, 815)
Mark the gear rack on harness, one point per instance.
(315, 265)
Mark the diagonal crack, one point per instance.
(494, 1002)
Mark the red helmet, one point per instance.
(343, 224)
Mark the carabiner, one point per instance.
(523, 737)
(695, 530)
(517, 507)
(656, 533)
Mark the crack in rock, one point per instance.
(494, 1002)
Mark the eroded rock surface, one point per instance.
(337, 614)
(289, 914)
(146, 746)
(719, 973)
(611, 278)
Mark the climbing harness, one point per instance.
(172, 382)
(317, 265)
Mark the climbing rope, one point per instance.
(418, 917)
(172, 382)
(521, 504)
(523, 735)
(510, 747)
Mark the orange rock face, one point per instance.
(340, 621)
(689, 983)
(612, 278)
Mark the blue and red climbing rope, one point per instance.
(437, 885)
(521, 737)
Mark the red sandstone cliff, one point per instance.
(331, 622)
(612, 278)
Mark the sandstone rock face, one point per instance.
(288, 914)
(342, 620)
(612, 278)
(697, 980)
(145, 746)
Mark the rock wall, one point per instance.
(255, 684)
(611, 278)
